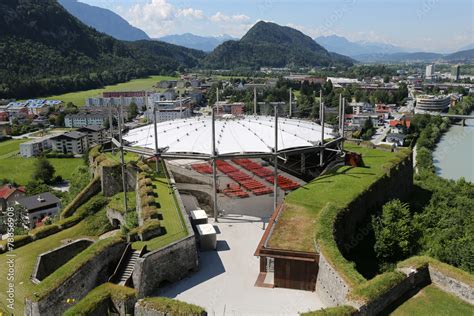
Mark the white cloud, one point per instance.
(159, 17)
(221, 17)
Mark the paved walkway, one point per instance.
(224, 285)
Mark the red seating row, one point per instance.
(202, 168)
(284, 183)
(253, 167)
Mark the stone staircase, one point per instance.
(128, 266)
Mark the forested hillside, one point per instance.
(272, 45)
(45, 50)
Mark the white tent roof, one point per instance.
(234, 135)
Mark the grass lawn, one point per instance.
(11, 147)
(20, 169)
(432, 301)
(25, 257)
(172, 219)
(78, 98)
(338, 187)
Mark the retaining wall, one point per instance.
(454, 286)
(86, 278)
(50, 261)
(398, 184)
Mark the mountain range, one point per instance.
(104, 20)
(204, 43)
(342, 45)
(271, 45)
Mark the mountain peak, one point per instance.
(103, 20)
(272, 45)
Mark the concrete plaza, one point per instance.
(224, 285)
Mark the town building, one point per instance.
(9, 194)
(432, 103)
(80, 120)
(456, 72)
(169, 114)
(70, 143)
(40, 206)
(360, 119)
(35, 147)
(399, 126)
(361, 107)
(396, 139)
(96, 134)
(429, 71)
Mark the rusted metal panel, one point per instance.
(295, 274)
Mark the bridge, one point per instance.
(461, 117)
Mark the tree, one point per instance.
(394, 232)
(36, 187)
(44, 170)
(133, 110)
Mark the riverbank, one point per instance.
(454, 153)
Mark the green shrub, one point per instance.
(68, 221)
(44, 231)
(149, 225)
(149, 212)
(148, 201)
(169, 306)
(92, 206)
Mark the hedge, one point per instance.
(149, 212)
(58, 277)
(149, 225)
(101, 295)
(69, 221)
(169, 306)
(18, 241)
(44, 231)
(344, 310)
(379, 285)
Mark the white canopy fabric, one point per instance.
(234, 135)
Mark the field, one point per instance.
(338, 187)
(20, 169)
(25, 258)
(78, 98)
(431, 301)
(10, 148)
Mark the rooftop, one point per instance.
(39, 200)
(8, 189)
(234, 135)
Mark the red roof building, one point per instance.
(9, 194)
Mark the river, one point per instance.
(454, 155)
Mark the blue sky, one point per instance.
(426, 25)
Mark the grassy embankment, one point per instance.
(338, 188)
